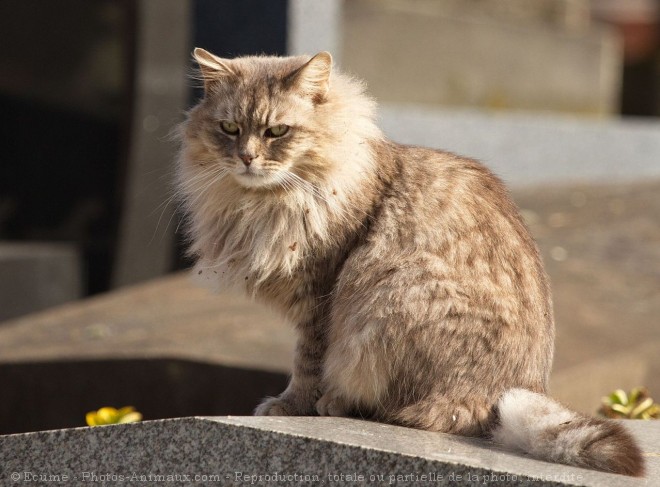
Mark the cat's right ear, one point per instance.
(313, 78)
(212, 67)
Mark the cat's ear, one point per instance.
(313, 78)
(212, 67)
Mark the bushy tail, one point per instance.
(535, 424)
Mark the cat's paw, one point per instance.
(331, 404)
(284, 406)
(273, 406)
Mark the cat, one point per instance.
(418, 294)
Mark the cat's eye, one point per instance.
(276, 131)
(230, 128)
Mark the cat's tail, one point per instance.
(537, 425)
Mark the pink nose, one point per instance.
(247, 158)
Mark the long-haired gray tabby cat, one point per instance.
(417, 292)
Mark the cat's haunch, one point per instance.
(417, 292)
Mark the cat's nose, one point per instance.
(247, 158)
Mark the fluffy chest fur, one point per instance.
(281, 246)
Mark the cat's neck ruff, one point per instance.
(244, 237)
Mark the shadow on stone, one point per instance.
(52, 395)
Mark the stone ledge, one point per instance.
(317, 450)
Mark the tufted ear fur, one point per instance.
(212, 67)
(313, 78)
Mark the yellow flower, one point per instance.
(108, 415)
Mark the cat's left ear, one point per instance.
(212, 67)
(313, 78)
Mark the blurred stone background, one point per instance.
(559, 97)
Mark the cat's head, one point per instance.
(261, 116)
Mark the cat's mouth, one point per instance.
(255, 178)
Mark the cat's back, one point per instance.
(438, 195)
(453, 221)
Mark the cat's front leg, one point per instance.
(304, 389)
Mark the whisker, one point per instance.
(188, 186)
(217, 176)
(197, 185)
(203, 174)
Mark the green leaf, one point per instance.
(641, 407)
(637, 394)
(619, 408)
(619, 397)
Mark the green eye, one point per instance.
(276, 131)
(229, 128)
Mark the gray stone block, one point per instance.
(423, 52)
(288, 451)
(166, 347)
(35, 276)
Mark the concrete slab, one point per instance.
(169, 317)
(601, 247)
(291, 451)
(165, 347)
